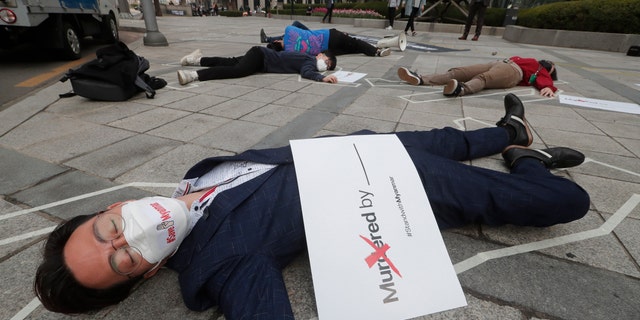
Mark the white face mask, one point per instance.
(321, 65)
(156, 226)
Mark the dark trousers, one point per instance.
(392, 15)
(235, 67)
(328, 14)
(479, 9)
(412, 16)
(341, 43)
(460, 194)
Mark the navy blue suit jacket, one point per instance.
(234, 255)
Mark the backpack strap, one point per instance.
(143, 65)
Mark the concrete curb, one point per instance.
(615, 42)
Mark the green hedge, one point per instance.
(613, 16)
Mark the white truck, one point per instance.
(58, 24)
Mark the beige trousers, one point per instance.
(494, 75)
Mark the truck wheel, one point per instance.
(70, 42)
(109, 29)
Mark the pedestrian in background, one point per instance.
(329, 11)
(418, 5)
(478, 7)
(393, 6)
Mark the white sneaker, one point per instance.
(389, 28)
(186, 76)
(383, 52)
(192, 59)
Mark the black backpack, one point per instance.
(116, 75)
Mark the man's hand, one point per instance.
(330, 79)
(547, 92)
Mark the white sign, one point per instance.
(348, 76)
(600, 104)
(374, 245)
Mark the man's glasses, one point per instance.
(108, 227)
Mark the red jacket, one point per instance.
(530, 66)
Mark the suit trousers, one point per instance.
(460, 194)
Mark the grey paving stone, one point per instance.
(609, 196)
(16, 177)
(42, 127)
(60, 149)
(114, 111)
(74, 184)
(231, 136)
(273, 115)
(17, 280)
(550, 286)
(165, 97)
(347, 124)
(234, 109)
(13, 227)
(196, 103)
(169, 168)
(604, 252)
(150, 119)
(265, 95)
(118, 158)
(189, 127)
(299, 100)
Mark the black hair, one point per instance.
(332, 58)
(548, 65)
(56, 286)
(275, 45)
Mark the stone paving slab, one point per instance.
(53, 149)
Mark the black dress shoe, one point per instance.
(453, 88)
(552, 158)
(514, 118)
(263, 37)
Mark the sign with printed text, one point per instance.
(374, 245)
(600, 104)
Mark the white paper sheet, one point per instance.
(374, 245)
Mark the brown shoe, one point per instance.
(475, 38)
(464, 37)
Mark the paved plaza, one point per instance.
(63, 157)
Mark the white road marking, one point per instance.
(604, 229)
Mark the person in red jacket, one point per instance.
(501, 74)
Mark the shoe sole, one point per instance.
(406, 76)
(385, 52)
(181, 80)
(450, 88)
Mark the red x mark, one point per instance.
(380, 252)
